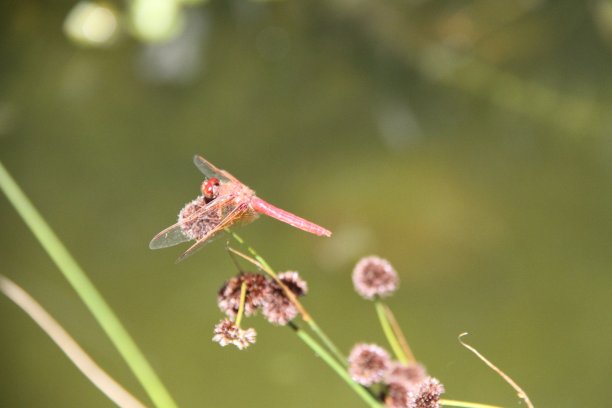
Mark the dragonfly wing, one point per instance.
(174, 235)
(171, 236)
(199, 245)
(230, 218)
(210, 171)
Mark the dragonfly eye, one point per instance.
(210, 189)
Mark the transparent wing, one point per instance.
(209, 170)
(173, 235)
(231, 218)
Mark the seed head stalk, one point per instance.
(243, 289)
(393, 333)
(391, 338)
(399, 334)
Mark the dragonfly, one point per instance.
(224, 202)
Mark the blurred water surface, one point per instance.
(467, 142)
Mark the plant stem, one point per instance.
(399, 335)
(465, 404)
(328, 343)
(243, 289)
(339, 369)
(90, 369)
(87, 292)
(305, 315)
(391, 338)
(521, 394)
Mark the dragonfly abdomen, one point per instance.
(268, 209)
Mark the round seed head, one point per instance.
(374, 276)
(294, 282)
(277, 308)
(196, 227)
(228, 297)
(368, 363)
(410, 375)
(398, 396)
(428, 395)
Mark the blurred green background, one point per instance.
(469, 142)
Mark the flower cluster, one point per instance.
(228, 297)
(405, 385)
(394, 383)
(261, 293)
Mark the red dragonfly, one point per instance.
(224, 202)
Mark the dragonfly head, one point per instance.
(210, 189)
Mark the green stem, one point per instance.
(399, 335)
(308, 319)
(87, 292)
(328, 343)
(465, 404)
(338, 368)
(391, 338)
(262, 261)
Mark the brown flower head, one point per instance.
(374, 276)
(398, 396)
(277, 308)
(294, 282)
(228, 297)
(410, 375)
(198, 227)
(226, 332)
(368, 363)
(428, 395)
